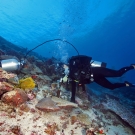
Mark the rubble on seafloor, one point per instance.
(45, 114)
(41, 110)
(41, 107)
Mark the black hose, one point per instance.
(50, 41)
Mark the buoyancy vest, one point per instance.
(80, 68)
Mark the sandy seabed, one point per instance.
(63, 122)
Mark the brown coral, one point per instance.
(24, 107)
(51, 129)
(73, 119)
(15, 130)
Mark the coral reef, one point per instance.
(45, 108)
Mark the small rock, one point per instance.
(14, 80)
(46, 105)
(15, 97)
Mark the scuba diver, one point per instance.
(82, 71)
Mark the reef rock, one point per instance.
(15, 97)
(40, 95)
(29, 68)
(25, 71)
(44, 77)
(4, 87)
(5, 75)
(46, 105)
(54, 86)
(63, 103)
(120, 110)
(14, 80)
(36, 70)
(84, 119)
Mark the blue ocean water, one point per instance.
(102, 29)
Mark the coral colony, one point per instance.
(32, 103)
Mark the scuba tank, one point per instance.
(11, 64)
(97, 64)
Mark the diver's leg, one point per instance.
(73, 90)
(133, 65)
(106, 72)
(83, 87)
(101, 80)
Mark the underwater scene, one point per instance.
(67, 67)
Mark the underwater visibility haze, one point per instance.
(101, 29)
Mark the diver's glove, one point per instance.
(64, 79)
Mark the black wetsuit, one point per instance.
(99, 76)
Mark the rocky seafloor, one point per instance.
(33, 102)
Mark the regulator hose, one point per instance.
(50, 41)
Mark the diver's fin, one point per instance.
(133, 65)
(128, 84)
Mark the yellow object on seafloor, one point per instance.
(65, 78)
(27, 83)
